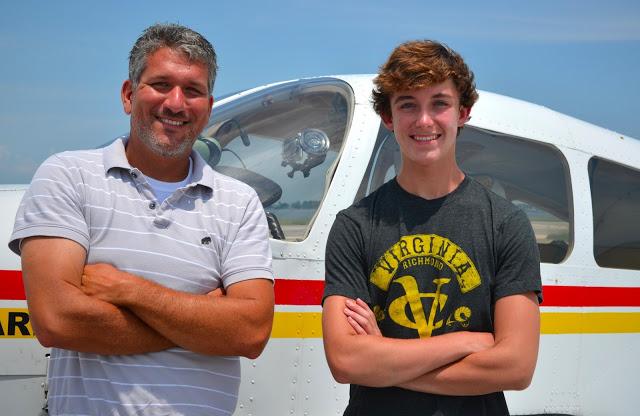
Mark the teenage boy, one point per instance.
(432, 281)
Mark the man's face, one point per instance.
(170, 105)
(425, 122)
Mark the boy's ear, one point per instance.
(464, 116)
(388, 121)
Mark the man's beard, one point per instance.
(148, 137)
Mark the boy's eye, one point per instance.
(407, 105)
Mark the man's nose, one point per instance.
(175, 100)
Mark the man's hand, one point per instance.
(107, 283)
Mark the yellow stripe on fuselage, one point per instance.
(297, 325)
(14, 323)
(589, 322)
(309, 324)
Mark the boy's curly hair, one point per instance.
(418, 64)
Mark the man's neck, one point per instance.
(162, 168)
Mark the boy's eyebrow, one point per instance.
(411, 97)
(404, 97)
(442, 95)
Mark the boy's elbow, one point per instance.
(523, 381)
(341, 376)
(340, 367)
(520, 378)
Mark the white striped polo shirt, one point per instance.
(210, 233)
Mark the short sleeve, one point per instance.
(53, 205)
(518, 268)
(249, 254)
(345, 270)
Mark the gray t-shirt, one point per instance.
(426, 268)
(210, 233)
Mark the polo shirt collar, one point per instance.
(114, 156)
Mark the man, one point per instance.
(432, 282)
(146, 271)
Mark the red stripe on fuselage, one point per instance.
(298, 292)
(309, 292)
(590, 296)
(11, 285)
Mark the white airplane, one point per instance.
(311, 147)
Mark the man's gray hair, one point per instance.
(176, 37)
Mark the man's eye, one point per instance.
(194, 92)
(441, 103)
(160, 85)
(407, 105)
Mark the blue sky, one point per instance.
(63, 62)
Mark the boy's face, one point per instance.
(425, 122)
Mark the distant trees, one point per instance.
(297, 205)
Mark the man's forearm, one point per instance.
(101, 328)
(64, 317)
(223, 325)
(238, 323)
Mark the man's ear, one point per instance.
(210, 104)
(126, 95)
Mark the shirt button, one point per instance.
(152, 205)
(135, 175)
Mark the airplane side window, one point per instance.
(533, 176)
(615, 194)
(284, 142)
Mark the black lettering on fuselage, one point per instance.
(18, 320)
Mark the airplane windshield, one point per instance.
(284, 141)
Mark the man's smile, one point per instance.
(174, 123)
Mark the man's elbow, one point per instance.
(255, 346)
(49, 332)
(252, 342)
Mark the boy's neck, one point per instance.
(430, 182)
